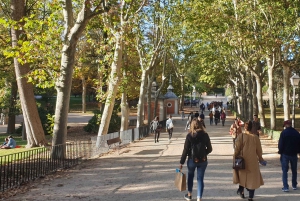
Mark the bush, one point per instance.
(94, 122)
(47, 119)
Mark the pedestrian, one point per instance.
(202, 116)
(191, 116)
(256, 125)
(288, 147)
(211, 118)
(5, 142)
(170, 126)
(248, 146)
(156, 127)
(223, 117)
(182, 115)
(10, 144)
(195, 136)
(202, 122)
(196, 114)
(235, 130)
(217, 117)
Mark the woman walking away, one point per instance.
(156, 128)
(223, 117)
(248, 146)
(169, 126)
(197, 146)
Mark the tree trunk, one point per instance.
(63, 84)
(286, 94)
(12, 108)
(35, 133)
(83, 95)
(124, 112)
(260, 101)
(114, 80)
(250, 93)
(150, 115)
(254, 98)
(140, 108)
(271, 93)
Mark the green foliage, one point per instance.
(94, 122)
(47, 118)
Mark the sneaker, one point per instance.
(187, 197)
(285, 189)
(295, 188)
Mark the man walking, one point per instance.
(255, 125)
(288, 147)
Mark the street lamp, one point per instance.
(294, 81)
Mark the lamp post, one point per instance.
(294, 81)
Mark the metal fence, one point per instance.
(19, 168)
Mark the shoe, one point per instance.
(187, 197)
(240, 193)
(156, 140)
(295, 188)
(285, 189)
(250, 199)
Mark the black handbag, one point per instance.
(239, 162)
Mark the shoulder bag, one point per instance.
(239, 162)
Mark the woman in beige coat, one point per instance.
(248, 145)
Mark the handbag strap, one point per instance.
(242, 143)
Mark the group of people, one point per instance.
(155, 127)
(246, 144)
(196, 115)
(9, 143)
(217, 116)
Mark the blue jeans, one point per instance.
(201, 167)
(285, 160)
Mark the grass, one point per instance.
(20, 154)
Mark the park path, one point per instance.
(145, 170)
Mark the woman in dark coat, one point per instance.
(195, 136)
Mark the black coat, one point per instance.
(201, 136)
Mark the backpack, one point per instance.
(198, 151)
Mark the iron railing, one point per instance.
(19, 168)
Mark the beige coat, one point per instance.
(250, 177)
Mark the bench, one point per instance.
(114, 141)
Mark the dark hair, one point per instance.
(248, 125)
(10, 136)
(255, 115)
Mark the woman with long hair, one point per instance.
(196, 135)
(248, 146)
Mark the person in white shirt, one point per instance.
(169, 126)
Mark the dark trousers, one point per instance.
(170, 131)
(156, 136)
